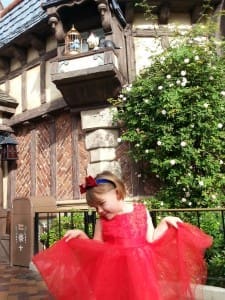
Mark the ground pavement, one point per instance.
(19, 283)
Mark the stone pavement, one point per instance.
(20, 283)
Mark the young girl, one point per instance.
(127, 259)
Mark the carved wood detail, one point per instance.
(57, 27)
(105, 14)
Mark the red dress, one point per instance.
(125, 266)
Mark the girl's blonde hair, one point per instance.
(113, 182)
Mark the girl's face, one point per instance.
(109, 204)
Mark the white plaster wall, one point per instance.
(32, 54)
(33, 88)
(2, 87)
(15, 90)
(145, 47)
(51, 91)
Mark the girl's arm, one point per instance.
(98, 231)
(75, 234)
(155, 233)
(80, 234)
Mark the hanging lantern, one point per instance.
(8, 148)
(73, 41)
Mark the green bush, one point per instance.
(60, 225)
(173, 115)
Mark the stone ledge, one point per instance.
(208, 292)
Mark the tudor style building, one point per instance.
(59, 63)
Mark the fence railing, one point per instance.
(50, 227)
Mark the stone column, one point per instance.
(101, 140)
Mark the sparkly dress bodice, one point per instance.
(127, 229)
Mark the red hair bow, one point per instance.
(89, 183)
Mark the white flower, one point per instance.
(173, 162)
(183, 83)
(159, 143)
(163, 112)
(146, 100)
(183, 144)
(211, 77)
(205, 105)
(121, 96)
(196, 57)
(221, 161)
(137, 145)
(222, 93)
(171, 84)
(213, 197)
(201, 183)
(186, 60)
(124, 98)
(160, 87)
(183, 73)
(147, 151)
(128, 88)
(161, 203)
(178, 82)
(168, 76)
(183, 200)
(139, 176)
(190, 203)
(192, 126)
(220, 125)
(119, 140)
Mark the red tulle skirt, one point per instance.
(166, 269)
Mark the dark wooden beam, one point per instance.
(164, 13)
(5, 64)
(37, 112)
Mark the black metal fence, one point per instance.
(50, 227)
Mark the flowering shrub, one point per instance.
(173, 115)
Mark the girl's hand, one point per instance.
(164, 225)
(172, 221)
(74, 234)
